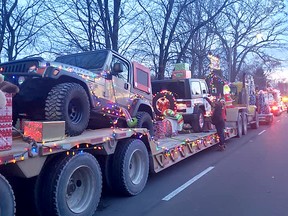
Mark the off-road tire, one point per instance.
(130, 167)
(68, 102)
(144, 120)
(198, 122)
(70, 186)
(255, 125)
(163, 95)
(7, 204)
(244, 124)
(239, 125)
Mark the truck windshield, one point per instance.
(87, 60)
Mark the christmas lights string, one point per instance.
(29, 151)
(33, 150)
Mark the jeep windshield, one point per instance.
(88, 60)
(175, 86)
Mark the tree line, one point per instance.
(244, 33)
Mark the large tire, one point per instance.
(255, 125)
(68, 102)
(70, 186)
(144, 120)
(7, 204)
(271, 119)
(163, 98)
(198, 122)
(106, 164)
(244, 124)
(239, 125)
(130, 167)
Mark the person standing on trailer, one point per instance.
(218, 119)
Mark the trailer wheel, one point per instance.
(7, 204)
(244, 124)
(130, 167)
(144, 120)
(271, 119)
(239, 125)
(198, 122)
(255, 125)
(69, 186)
(68, 102)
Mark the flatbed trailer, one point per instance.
(70, 172)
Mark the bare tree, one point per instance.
(3, 13)
(84, 25)
(251, 26)
(165, 17)
(23, 23)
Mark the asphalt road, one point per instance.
(248, 179)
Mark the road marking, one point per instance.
(188, 183)
(278, 121)
(261, 132)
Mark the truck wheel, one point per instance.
(69, 186)
(106, 163)
(162, 101)
(130, 167)
(255, 125)
(244, 124)
(198, 122)
(7, 204)
(68, 102)
(271, 119)
(144, 120)
(239, 125)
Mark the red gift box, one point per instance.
(6, 124)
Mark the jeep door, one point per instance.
(120, 86)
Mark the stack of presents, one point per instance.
(181, 71)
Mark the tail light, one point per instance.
(184, 104)
(274, 108)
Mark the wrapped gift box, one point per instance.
(181, 74)
(6, 124)
(44, 131)
(163, 129)
(181, 66)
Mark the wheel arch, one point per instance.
(46, 84)
(64, 78)
(141, 105)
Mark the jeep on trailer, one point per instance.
(189, 99)
(92, 89)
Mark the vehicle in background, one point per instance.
(184, 95)
(275, 103)
(265, 113)
(284, 99)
